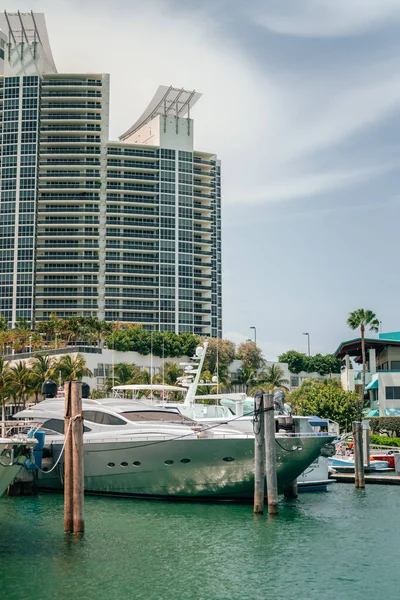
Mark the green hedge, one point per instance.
(381, 424)
(385, 440)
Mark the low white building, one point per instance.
(294, 379)
(382, 374)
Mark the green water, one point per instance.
(341, 545)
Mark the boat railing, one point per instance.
(10, 428)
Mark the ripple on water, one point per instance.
(162, 550)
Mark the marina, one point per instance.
(160, 550)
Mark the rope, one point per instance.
(62, 449)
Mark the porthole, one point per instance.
(124, 464)
(228, 459)
(169, 462)
(111, 464)
(185, 460)
(136, 463)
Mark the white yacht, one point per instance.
(133, 448)
(14, 452)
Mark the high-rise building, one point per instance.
(127, 230)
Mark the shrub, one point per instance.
(385, 440)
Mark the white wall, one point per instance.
(178, 134)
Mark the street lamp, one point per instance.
(255, 334)
(308, 340)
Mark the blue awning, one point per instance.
(373, 413)
(372, 386)
(318, 422)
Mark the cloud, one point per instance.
(270, 128)
(326, 18)
(310, 184)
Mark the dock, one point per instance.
(375, 478)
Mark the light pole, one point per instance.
(255, 334)
(308, 342)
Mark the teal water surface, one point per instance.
(343, 544)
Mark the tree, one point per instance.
(326, 399)
(274, 379)
(250, 355)
(22, 332)
(296, 361)
(4, 388)
(123, 374)
(247, 376)
(170, 372)
(220, 353)
(73, 368)
(21, 382)
(3, 323)
(361, 318)
(43, 368)
(76, 329)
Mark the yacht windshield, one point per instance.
(156, 415)
(52, 426)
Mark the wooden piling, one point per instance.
(291, 491)
(259, 455)
(77, 457)
(68, 475)
(359, 479)
(270, 455)
(366, 443)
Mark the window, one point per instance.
(102, 418)
(395, 365)
(392, 392)
(57, 425)
(294, 382)
(155, 415)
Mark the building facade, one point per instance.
(124, 231)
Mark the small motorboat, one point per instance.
(346, 463)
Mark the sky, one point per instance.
(301, 102)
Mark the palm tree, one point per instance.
(4, 390)
(3, 323)
(22, 331)
(361, 318)
(170, 372)
(73, 368)
(21, 382)
(43, 368)
(247, 376)
(274, 379)
(75, 329)
(123, 374)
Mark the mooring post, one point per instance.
(68, 475)
(365, 439)
(270, 455)
(259, 454)
(291, 491)
(359, 480)
(77, 457)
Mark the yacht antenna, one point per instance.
(112, 358)
(200, 355)
(151, 361)
(217, 367)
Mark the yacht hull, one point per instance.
(195, 468)
(10, 465)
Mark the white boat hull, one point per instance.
(12, 458)
(193, 468)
